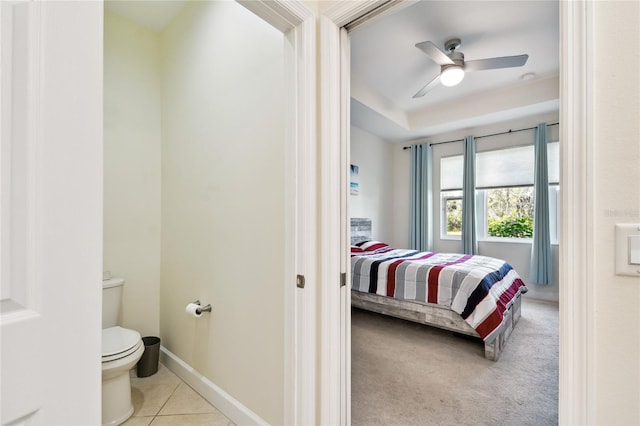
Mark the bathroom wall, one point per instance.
(132, 142)
(222, 200)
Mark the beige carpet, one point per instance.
(409, 374)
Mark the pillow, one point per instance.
(356, 249)
(372, 245)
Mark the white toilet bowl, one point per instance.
(121, 350)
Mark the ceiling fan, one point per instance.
(453, 66)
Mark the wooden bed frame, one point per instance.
(429, 314)
(437, 316)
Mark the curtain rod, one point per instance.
(486, 136)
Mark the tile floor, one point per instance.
(165, 400)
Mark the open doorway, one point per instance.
(387, 70)
(195, 118)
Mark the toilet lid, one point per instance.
(118, 342)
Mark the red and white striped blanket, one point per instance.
(479, 288)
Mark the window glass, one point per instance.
(452, 213)
(510, 212)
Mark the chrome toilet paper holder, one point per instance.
(206, 308)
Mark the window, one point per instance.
(452, 205)
(504, 198)
(509, 212)
(451, 196)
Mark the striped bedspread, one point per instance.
(479, 288)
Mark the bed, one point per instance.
(477, 296)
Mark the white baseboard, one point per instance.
(228, 405)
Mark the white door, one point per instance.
(50, 215)
(20, 310)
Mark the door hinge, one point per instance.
(343, 279)
(300, 281)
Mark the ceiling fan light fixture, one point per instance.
(451, 75)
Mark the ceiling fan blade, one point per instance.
(438, 56)
(430, 85)
(495, 63)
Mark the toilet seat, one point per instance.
(119, 342)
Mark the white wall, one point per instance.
(223, 200)
(132, 141)
(616, 198)
(372, 155)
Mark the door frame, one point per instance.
(576, 268)
(297, 24)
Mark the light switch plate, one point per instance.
(628, 249)
(634, 250)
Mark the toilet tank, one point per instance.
(111, 299)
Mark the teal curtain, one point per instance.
(420, 235)
(541, 267)
(469, 237)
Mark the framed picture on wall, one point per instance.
(354, 186)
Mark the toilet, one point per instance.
(121, 350)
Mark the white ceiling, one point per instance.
(387, 69)
(154, 15)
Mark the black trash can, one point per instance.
(148, 363)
